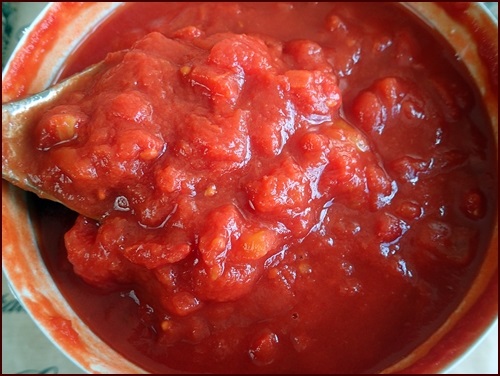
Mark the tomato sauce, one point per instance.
(286, 187)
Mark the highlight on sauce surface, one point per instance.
(304, 187)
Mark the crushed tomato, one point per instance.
(287, 187)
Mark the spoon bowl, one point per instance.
(18, 119)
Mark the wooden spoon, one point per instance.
(18, 119)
